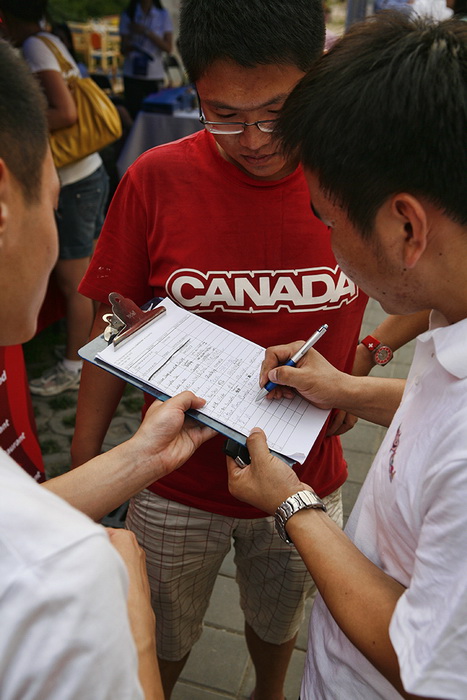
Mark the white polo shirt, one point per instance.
(64, 633)
(411, 520)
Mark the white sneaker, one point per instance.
(54, 381)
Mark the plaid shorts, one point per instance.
(185, 548)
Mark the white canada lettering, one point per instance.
(261, 291)
(16, 443)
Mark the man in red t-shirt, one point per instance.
(221, 222)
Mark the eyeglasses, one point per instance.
(265, 125)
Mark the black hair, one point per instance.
(23, 124)
(250, 33)
(132, 5)
(385, 111)
(63, 31)
(26, 10)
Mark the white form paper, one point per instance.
(180, 351)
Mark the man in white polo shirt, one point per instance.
(379, 124)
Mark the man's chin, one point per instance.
(274, 168)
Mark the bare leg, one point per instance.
(170, 671)
(271, 662)
(79, 309)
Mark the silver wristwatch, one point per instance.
(299, 501)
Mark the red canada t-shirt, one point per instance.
(248, 255)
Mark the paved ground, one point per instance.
(219, 667)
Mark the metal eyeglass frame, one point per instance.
(241, 125)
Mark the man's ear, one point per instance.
(413, 220)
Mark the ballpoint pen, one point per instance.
(294, 359)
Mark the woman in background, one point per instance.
(146, 31)
(84, 185)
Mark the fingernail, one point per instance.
(273, 375)
(255, 430)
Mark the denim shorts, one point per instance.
(80, 214)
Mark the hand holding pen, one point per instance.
(269, 386)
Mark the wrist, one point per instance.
(380, 353)
(147, 463)
(305, 499)
(363, 363)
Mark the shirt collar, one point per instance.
(450, 343)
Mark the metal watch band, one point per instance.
(299, 501)
(382, 354)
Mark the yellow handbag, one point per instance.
(98, 123)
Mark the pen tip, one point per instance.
(261, 394)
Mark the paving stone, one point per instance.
(358, 463)
(350, 493)
(56, 464)
(63, 422)
(224, 607)
(187, 691)
(302, 637)
(218, 661)
(121, 429)
(364, 437)
(228, 566)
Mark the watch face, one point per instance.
(383, 354)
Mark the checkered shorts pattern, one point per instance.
(185, 548)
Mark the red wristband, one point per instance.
(382, 354)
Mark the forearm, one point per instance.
(149, 674)
(56, 119)
(105, 482)
(140, 613)
(163, 442)
(61, 107)
(98, 398)
(374, 399)
(395, 331)
(164, 43)
(360, 597)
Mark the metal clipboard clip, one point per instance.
(126, 318)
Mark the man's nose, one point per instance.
(252, 138)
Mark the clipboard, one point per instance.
(124, 322)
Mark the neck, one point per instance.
(24, 30)
(449, 256)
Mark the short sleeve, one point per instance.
(38, 56)
(168, 24)
(69, 630)
(120, 262)
(429, 626)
